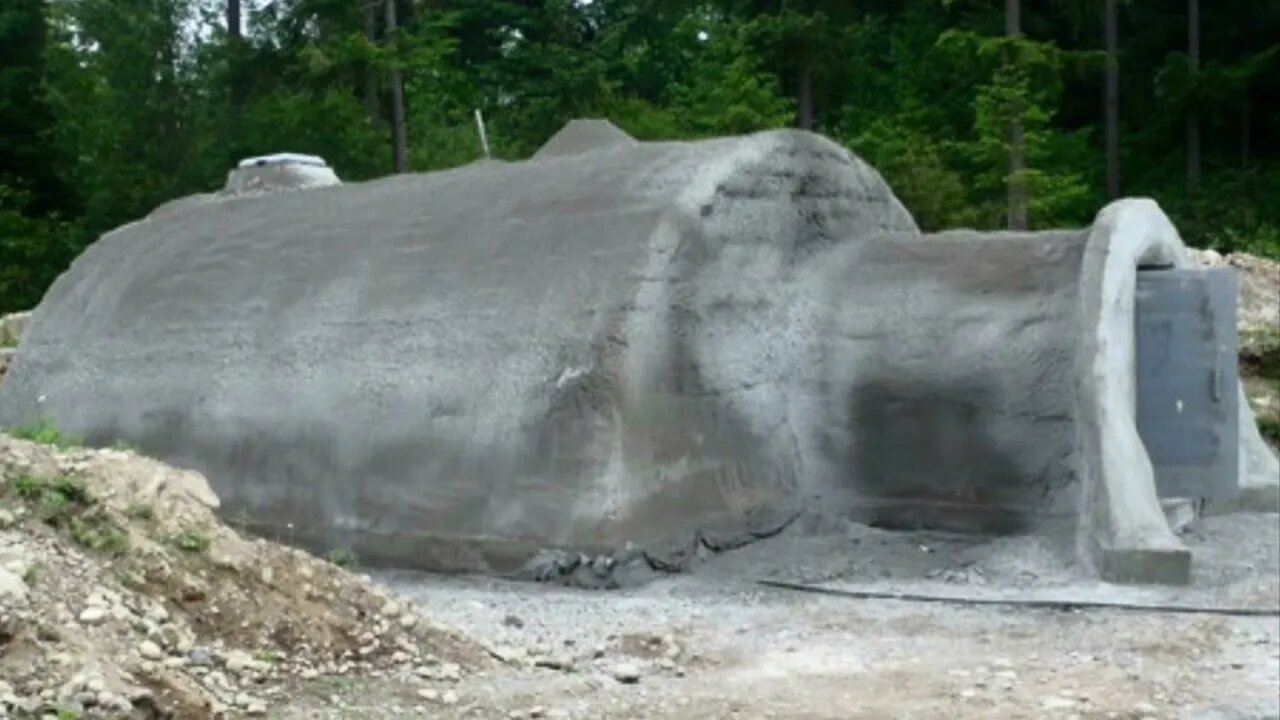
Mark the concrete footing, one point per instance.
(1162, 566)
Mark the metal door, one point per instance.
(1185, 328)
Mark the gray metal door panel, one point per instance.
(1185, 329)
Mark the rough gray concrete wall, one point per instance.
(581, 351)
(649, 346)
(958, 353)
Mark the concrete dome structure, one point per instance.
(619, 348)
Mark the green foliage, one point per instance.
(31, 575)
(1270, 429)
(34, 249)
(110, 107)
(28, 488)
(192, 541)
(55, 499)
(64, 502)
(342, 558)
(44, 432)
(95, 532)
(729, 92)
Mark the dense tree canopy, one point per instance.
(110, 107)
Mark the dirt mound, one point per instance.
(122, 595)
(1259, 304)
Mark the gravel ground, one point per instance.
(712, 644)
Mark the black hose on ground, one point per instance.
(1062, 605)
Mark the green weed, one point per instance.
(44, 432)
(192, 542)
(342, 558)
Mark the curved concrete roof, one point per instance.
(532, 354)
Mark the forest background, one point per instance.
(980, 113)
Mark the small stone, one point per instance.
(1055, 702)
(513, 621)
(201, 657)
(1145, 708)
(407, 621)
(449, 697)
(625, 673)
(238, 661)
(391, 609)
(309, 674)
(93, 615)
(429, 694)
(256, 708)
(12, 586)
(150, 651)
(555, 662)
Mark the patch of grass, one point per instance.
(70, 488)
(53, 507)
(142, 512)
(99, 534)
(192, 542)
(44, 432)
(342, 558)
(270, 657)
(55, 498)
(66, 503)
(28, 488)
(123, 446)
(31, 575)
(68, 715)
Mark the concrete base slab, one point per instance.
(1262, 498)
(1158, 566)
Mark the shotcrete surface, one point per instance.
(455, 369)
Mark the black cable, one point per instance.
(1035, 604)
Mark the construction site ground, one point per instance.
(716, 645)
(122, 596)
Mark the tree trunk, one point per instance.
(399, 129)
(1017, 186)
(372, 104)
(1193, 112)
(1113, 102)
(1244, 131)
(233, 20)
(235, 75)
(804, 80)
